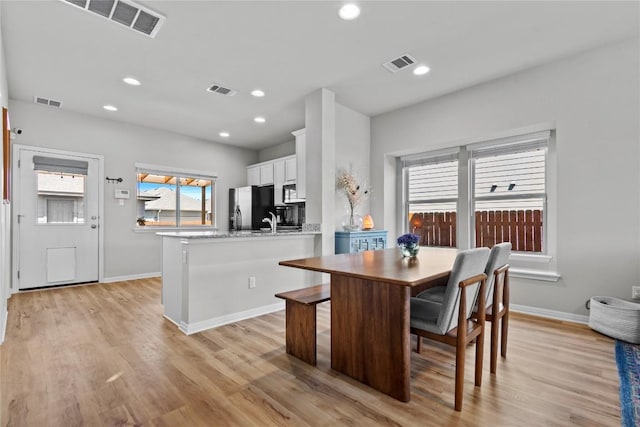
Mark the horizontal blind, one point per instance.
(436, 181)
(54, 164)
(515, 144)
(511, 175)
(440, 156)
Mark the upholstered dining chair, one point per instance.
(497, 298)
(451, 321)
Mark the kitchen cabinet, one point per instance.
(278, 180)
(290, 166)
(266, 174)
(253, 175)
(260, 174)
(284, 172)
(359, 241)
(301, 166)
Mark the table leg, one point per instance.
(370, 333)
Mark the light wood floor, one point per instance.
(103, 355)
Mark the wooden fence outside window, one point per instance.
(523, 228)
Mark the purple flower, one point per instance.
(408, 239)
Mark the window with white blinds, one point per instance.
(507, 188)
(509, 192)
(510, 180)
(432, 186)
(432, 197)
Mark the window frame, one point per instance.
(44, 203)
(179, 174)
(510, 146)
(431, 158)
(537, 266)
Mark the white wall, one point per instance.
(129, 253)
(593, 98)
(5, 217)
(279, 150)
(353, 144)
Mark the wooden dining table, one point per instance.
(370, 315)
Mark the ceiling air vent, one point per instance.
(127, 13)
(216, 88)
(398, 64)
(46, 101)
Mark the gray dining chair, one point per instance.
(451, 321)
(496, 298)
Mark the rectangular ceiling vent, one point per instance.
(127, 13)
(46, 101)
(398, 64)
(216, 88)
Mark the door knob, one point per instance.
(93, 226)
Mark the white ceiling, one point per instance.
(288, 49)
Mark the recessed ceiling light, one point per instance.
(349, 11)
(224, 134)
(131, 81)
(257, 93)
(259, 119)
(421, 70)
(110, 108)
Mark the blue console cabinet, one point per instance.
(359, 241)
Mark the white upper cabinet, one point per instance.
(266, 174)
(285, 170)
(290, 166)
(260, 174)
(253, 175)
(278, 180)
(301, 159)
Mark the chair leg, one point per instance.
(505, 329)
(419, 345)
(494, 344)
(460, 352)
(479, 357)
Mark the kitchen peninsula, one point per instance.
(210, 279)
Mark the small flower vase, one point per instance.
(352, 221)
(409, 250)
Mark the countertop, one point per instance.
(234, 234)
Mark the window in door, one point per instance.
(60, 198)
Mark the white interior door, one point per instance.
(57, 219)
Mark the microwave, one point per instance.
(290, 195)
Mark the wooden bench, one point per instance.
(301, 320)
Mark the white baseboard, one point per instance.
(192, 328)
(550, 314)
(170, 320)
(130, 277)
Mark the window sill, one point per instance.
(524, 257)
(525, 273)
(160, 229)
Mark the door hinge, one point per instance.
(18, 162)
(18, 274)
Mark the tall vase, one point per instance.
(352, 221)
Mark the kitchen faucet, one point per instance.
(272, 222)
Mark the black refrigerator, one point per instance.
(248, 206)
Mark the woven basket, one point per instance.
(616, 318)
